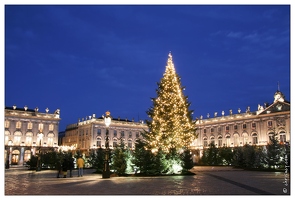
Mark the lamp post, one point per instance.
(38, 168)
(106, 167)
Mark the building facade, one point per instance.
(232, 130)
(90, 133)
(29, 132)
(253, 128)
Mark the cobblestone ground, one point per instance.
(207, 181)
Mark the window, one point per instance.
(137, 134)
(30, 125)
(212, 130)
(219, 141)
(98, 142)
(253, 125)
(130, 134)
(40, 128)
(244, 126)
(17, 138)
(219, 129)
(29, 136)
(122, 133)
(18, 125)
(236, 139)
(27, 155)
(50, 139)
(282, 137)
(51, 127)
(245, 138)
(254, 139)
(227, 128)
(269, 123)
(205, 130)
(205, 142)
(7, 123)
(212, 140)
(98, 132)
(115, 142)
(235, 127)
(115, 133)
(227, 140)
(130, 143)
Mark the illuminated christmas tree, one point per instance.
(171, 125)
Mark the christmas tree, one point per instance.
(170, 125)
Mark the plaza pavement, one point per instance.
(207, 181)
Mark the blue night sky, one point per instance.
(87, 59)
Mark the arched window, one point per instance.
(219, 140)
(245, 138)
(98, 142)
(212, 140)
(50, 138)
(17, 138)
(254, 139)
(227, 138)
(115, 142)
(27, 155)
(130, 143)
(282, 135)
(6, 139)
(29, 138)
(236, 139)
(205, 142)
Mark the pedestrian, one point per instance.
(65, 167)
(58, 168)
(71, 165)
(80, 165)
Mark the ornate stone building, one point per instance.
(90, 133)
(29, 132)
(249, 127)
(253, 128)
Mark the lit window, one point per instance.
(227, 140)
(130, 143)
(98, 142)
(219, 141)
(18, 125)
(236, 139)
(205, 142)
(7, 123)
(254, 139)
(40, 127)
(51, 127)
(30, 125)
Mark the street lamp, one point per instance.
(106, 167)
(40, 136)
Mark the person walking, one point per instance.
(71, 165)
(65, 167)
(80, 165)
(58, 167)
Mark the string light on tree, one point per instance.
(171, 125)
